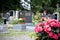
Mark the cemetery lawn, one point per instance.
(12, 33)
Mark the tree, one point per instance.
(37, 5)
(6, 5)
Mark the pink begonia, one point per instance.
(38, 29)
(51, 20)
(53, 24)
(46, 23)
(58, 34)
(40, 24)
(51, 34)
(59, 25)
(47, 28)
(55, 36)
(35, 29)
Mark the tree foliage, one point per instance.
(37, 5)
(6, 5)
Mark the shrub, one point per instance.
(1, 20)
(17, 21)
(48, 30)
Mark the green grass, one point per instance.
(12, 33)
(18, 33)
(31, 34)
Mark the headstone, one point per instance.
(27, 15)
(30, 28)
(21, 14)
(59, 17)
(4, 21)
(19, 27)
(12, 14)
(56, 15)
(16, 14)
(3, 29)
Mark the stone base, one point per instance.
(3, 29)
(20, 27)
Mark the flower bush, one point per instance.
(1, 20)
(18, 21)
(48, 30)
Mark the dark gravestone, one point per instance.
(4, 21)
(27, 15)
(21, 14)
(11, 13)
(56, 16)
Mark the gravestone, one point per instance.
(28, 21)
(56, 15)
(20, 27)
(21, 14)
(27, 15)
(12, 14)
(59, 17)
(3, 29)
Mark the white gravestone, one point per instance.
(3, 29)
(57, 15)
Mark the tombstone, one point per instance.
(16, 14)
(12, 14)
(21, 14)
(4, 21)
(20, 27)
(28, 16)
(3, 29)
(56, 15)
(59, 17)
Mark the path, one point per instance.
(22, 37)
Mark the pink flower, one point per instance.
(46, 26)
(59, 24)
(38, 29)
(52, 24)
(35, 29)
(59, 34)
(55, 36)
(51, 34)
(46, 23)
(51, 20)
(40, 24)
(47, 29)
